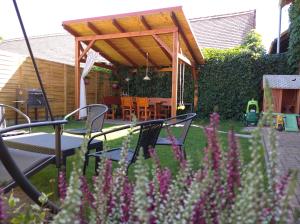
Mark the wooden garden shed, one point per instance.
(164, 36)
(285, 92)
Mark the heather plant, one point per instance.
(222, 190)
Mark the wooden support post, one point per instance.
(174, 73)
(77, 73)
(196, 87)
(297, 109)
(65, 89)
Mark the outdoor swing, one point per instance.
(181, 105)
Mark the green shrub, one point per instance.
(232, 77)
(294, 42)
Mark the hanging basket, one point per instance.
(115, 85)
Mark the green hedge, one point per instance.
(232, 77)
(227, 81)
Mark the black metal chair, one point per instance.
(4, 109)
(94, 119)
(148, 134)
(185, 120)
(16, 165)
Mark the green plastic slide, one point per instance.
(290, 122)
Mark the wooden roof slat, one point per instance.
(128, 34)
(97, 49)
(121, 29)
(176, 22)
(146, 25)
(112, 45)
(70, 30)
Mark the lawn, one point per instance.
(194, 145)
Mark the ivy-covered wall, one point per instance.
(232, 77)
(294, 42)
(227, 81)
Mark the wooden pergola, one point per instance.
(164, 35)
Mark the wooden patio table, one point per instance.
(162, 101)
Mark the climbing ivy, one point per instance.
(294, 42)
(230, 78)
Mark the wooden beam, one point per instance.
(77, 73)
(169, 69)
(111, 44)
(97, 49)
(174, 73)
(128, 34)
(70, 30)
(185, 40)
(86, 50)
(196, 88)
(65, 89)
(297, 108)
(132, 41)
(103, 65)
(146, 25)
(183, 58)
(162, 44)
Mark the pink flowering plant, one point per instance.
(222, 190)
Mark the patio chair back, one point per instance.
(95, 117)
(148, 134)
(186, 120)
(94, 120)
(3, 120)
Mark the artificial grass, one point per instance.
(46, 179)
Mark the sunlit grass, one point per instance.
(194, 145)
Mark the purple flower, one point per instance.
(107, 177)
(2, 208)
(178, 153)
(87, 194)
(62, 185)
(127, 197)
(163, 175)
(233, 168)
(213, 150)
(152, 218)
(198, 215)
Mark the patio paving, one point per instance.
(288, 149)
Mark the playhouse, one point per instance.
(285, 92)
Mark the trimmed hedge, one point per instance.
(232, 77)
(227, 81)
(294, 42)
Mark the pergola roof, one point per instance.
(125, 39)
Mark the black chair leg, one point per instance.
(182, 149)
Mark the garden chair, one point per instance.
(127, 107)
(6, 109)
(185, 120)
(113, 103)
(16, 164)
(94, 120)
(148, 134)
(145, 111)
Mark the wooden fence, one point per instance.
(17, 72)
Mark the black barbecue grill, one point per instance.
(36, 100)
